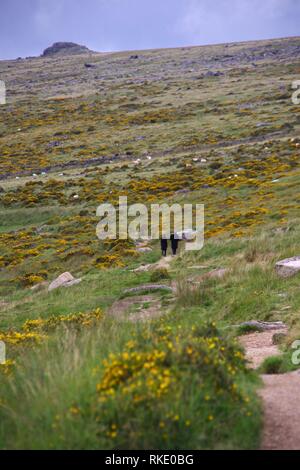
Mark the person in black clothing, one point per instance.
(174, 244)
(164, 245)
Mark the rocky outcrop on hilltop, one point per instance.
(64, 48)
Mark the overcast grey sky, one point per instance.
(29, 26)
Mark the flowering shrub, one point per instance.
(7, 367)
(157, 391)
(17, 338)
(34, 332)
(74, 319)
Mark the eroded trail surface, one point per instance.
(280, 395)
(259, 346)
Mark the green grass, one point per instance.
(61, 378)
(278, 364)
(58, 376)
(50, 399)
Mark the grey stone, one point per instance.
(288, 267)
(64, 280)
(148, 287)
(264, 326)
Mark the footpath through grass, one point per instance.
(179, 381)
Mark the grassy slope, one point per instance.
(250, 223)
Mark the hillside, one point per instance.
(214, 125)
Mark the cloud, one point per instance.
(48, 13)
(221, 20)
(26, 28)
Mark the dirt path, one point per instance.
(137, 308)
(164, 262)
(106, 159)
(280, 395)
(259, 346)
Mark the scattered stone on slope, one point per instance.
(163, 263)
(288, 267)
(264, 325)
(212, 73)
(183, 191)
(144, 249)
(149, 287)
(143, 268)
(187, 235)
(64, 280)
(90, 66)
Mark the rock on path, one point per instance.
(163, 263)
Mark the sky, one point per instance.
(27, 27)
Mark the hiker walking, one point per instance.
(164, 244)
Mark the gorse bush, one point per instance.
(34, 332)
(165, 385)
(178, 391)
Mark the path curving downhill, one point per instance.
(281, 405)
(280, 395)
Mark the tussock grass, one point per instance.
(66, 378)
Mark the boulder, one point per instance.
(144, 249)
(142, 268)
(263, 325)
(288, 267)
(187, 235)
(148, 287)
(64, 280)
(211, 73)
(279, 338)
